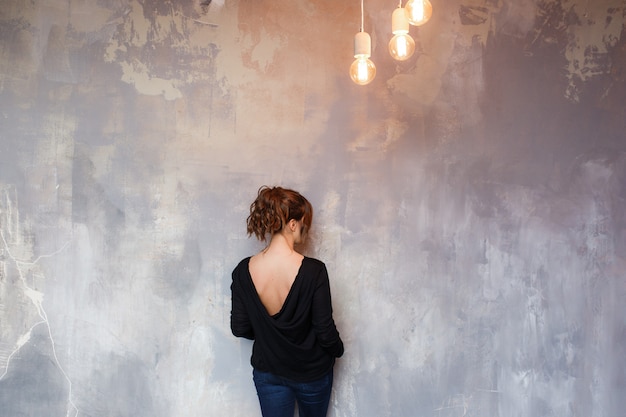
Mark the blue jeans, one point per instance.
(278, 396)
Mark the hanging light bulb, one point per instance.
(362, 70)
(402, 45)
(418, 11)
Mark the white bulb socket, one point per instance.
(362, 45)
(399, 21)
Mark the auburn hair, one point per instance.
(274, 207)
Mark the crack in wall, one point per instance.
(13, 242)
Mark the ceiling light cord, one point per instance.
(362, 18)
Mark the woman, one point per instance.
(281, 300)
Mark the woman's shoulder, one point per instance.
(313, 263)
(242, 266)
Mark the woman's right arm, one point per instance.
(323, 322)
(239, 321)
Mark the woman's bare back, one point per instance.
(273, 277)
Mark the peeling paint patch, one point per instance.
(157, 50)
(477, 18)
(264, 50)
(473, 15)
(599, 29)
(137, 75)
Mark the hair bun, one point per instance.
(273, 208)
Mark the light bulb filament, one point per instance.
(417, 14)
(361, 72)
(402, 49)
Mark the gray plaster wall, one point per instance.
(470, 203)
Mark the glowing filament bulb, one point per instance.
(402, 45)
(362, 70)
(418, 12)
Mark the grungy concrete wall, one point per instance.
(470, 202)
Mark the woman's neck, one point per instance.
(280, 245)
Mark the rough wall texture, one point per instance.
(470, 203)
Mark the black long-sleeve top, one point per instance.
(301, 341)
